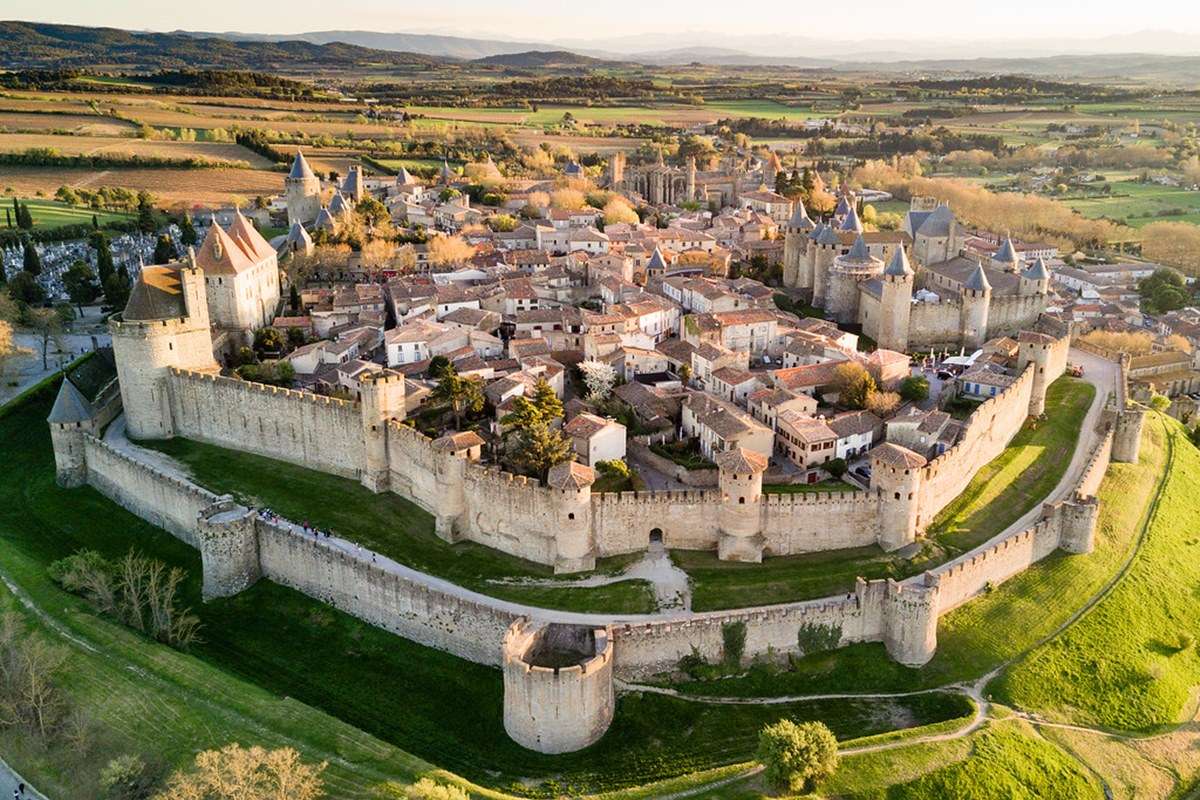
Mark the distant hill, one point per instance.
(459, 47)
(541, 58)
(26, 45)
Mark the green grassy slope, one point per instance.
(1131, 663)
(392, 526)
(993, 627)
(272, 660)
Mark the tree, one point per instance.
(25, 291)
(296, 337)
(446, 251)
(29, 694)
(146, 221)
(539, 447)
(376, 255)
(268, 340)
(424, 789)
(126, 778)
(546, 401)
(33, 262)
(293, 298)
(80, 283)
(618, 210)
(568, 199)
(252, 773)
(104, 259)
(914, 389)
(463, 395)
(797, 757)
(8, 347)
(187, 231)
(164, 250)
(599, 377)
(1160, 402)
(48, 325)
(116, 292)
(835, 467)
(437, 367)
(853, 384)
(882, 404)
(373, 211)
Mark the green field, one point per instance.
(271, 657)
(1139, 204)
(1020, 477)
(53, 214)
(393, 526)
(996, 626)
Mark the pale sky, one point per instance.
(542, 19)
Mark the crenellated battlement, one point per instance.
(263, 388)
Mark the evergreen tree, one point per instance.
(33, 262)
(104, 259)
(146, 221)
(293, 296)
(80, 283)
(95, 222)
(164, 250)
(187, 231)
(116, 292)
(24, 218)
(538, 448)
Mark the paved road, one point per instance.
(9, 781)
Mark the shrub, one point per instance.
(733, 639)
(126, 778)
(427, 789)
(797, 757)
(813, 637)
(692, 663)
(836, 467)
(914, 388)
(615, 468)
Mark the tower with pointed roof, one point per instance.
(1006, 257)
(895, 303)
(71, 417)
(823, 249)
(848, 273)
(1035, 279)
(796, 271)
(353, 187)
(973, 318)
(302, 190)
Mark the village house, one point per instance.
(596, 439)
(719, 426)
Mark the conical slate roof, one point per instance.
(447, 175)
(815, 233)
(298, 238)
(852, 222)
(828, 236)
(859, 252)
(800, 216)
(339, 205)
(1007, 251)
(1037, 271)
(300, 167)
(70, 406)
(656, 262)
(325, 221)
(898, 266)
(404, 177)
(978, 280)
(844, 206)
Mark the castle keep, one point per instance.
(948, 301)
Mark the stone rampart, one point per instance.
(686, 519)
(987, 432)
(164, 500)
(352, 581)
(310, 430)
(812, 521)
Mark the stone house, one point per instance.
(721, 426)
(596, 439)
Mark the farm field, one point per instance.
(273, 663)
(125, 146)
(53, 214)
(173, 188)
(78, 124)
(1137, 204)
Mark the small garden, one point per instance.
(686, 453)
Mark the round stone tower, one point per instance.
(1036, 279)
(896, 480)
(822, 251)
(228, 548)
(1036, 348)
(849, 272)
(558, 685)
(165, 324)
(570, 488)
(973, 319)
(740, 521)
(302, 190)
(382, 400)
(896, 302)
